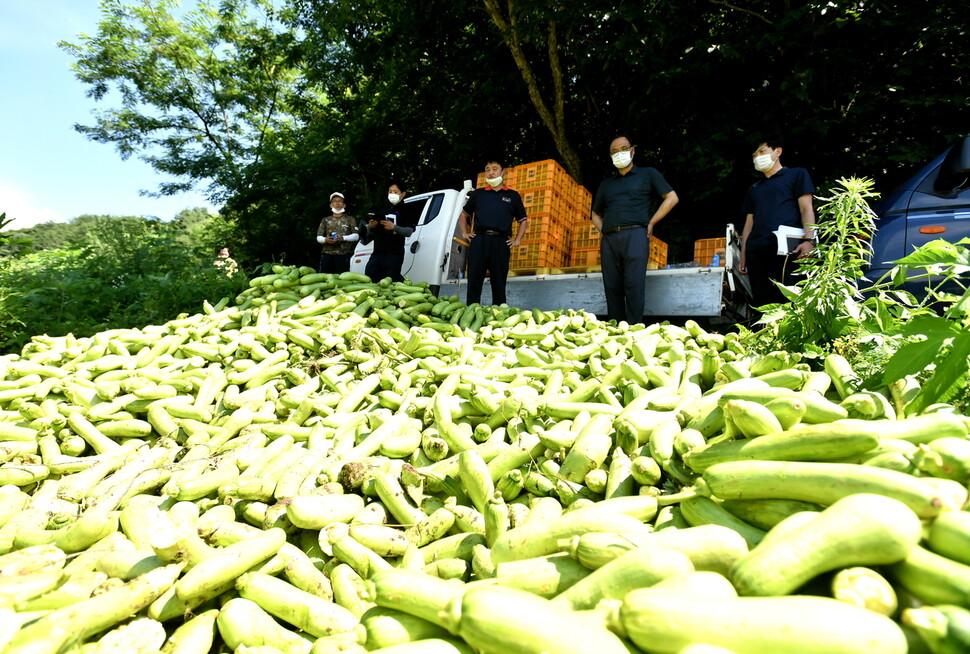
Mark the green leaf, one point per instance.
(936, 252)
(949, 376)
(911, 359)
(933, 327)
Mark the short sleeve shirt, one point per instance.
(630, 199)
(773, 201)
(495, 209)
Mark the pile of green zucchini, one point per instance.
(328, 464)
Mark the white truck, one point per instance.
(435, 253)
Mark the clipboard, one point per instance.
(788, 238)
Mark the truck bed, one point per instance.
(670, 292)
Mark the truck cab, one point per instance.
(933, 204)
(434, 252)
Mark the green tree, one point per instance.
(314, 97)
(194, 96)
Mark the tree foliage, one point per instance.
(118, 272)
(194, 96)
(312, 97)
(197, 229)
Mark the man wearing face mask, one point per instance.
(338, 235)
(388, 230)
(627, 206)
(486, 222)
(783, 197)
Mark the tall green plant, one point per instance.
(887, 333)
(827, 302)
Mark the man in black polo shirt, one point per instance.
(783, 197)
(625, 210)
(492, 211)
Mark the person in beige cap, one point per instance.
(338, 235)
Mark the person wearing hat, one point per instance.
(225, 263)
(338, 235)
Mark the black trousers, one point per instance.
(335, 263)
(385, 264)
(765, 267)
(624, 257)
(489, 254)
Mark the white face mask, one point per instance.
(622, 159)
(337, 212)
(393, 198)
(763, 162)
(493, 181)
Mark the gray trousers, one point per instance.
(624, 257)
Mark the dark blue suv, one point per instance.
(933, 204)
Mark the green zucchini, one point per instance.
(541, 538)
(808, 443)
(860, 529)
(666, 623)
(497, 620)
(637, 568)
(818, 483)
(932, 578)
(949, 535)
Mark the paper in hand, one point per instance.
(788, 238)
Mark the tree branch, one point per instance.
(511, 37)
(559, 93)
(555, 123)
(741, 9)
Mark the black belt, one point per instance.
(614, 230)
(492, 232)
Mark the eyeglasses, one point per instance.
(624, 148)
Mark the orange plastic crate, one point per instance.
(585, 235)
(545, 199)
(657, 258)
(547, 226)
(587, 256)
(539, 173)
(706, 248)
(537, 255)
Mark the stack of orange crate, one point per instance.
(584, 247)
(658, 254)
(547, 192)
(706, 248)
(560, 230)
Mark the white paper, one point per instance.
(788, 238)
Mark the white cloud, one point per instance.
(25, 210)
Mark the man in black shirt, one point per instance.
(625, 211)
(782, 197)
(492, 211)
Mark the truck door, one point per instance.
(419, 259)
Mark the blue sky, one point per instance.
(49, 172)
